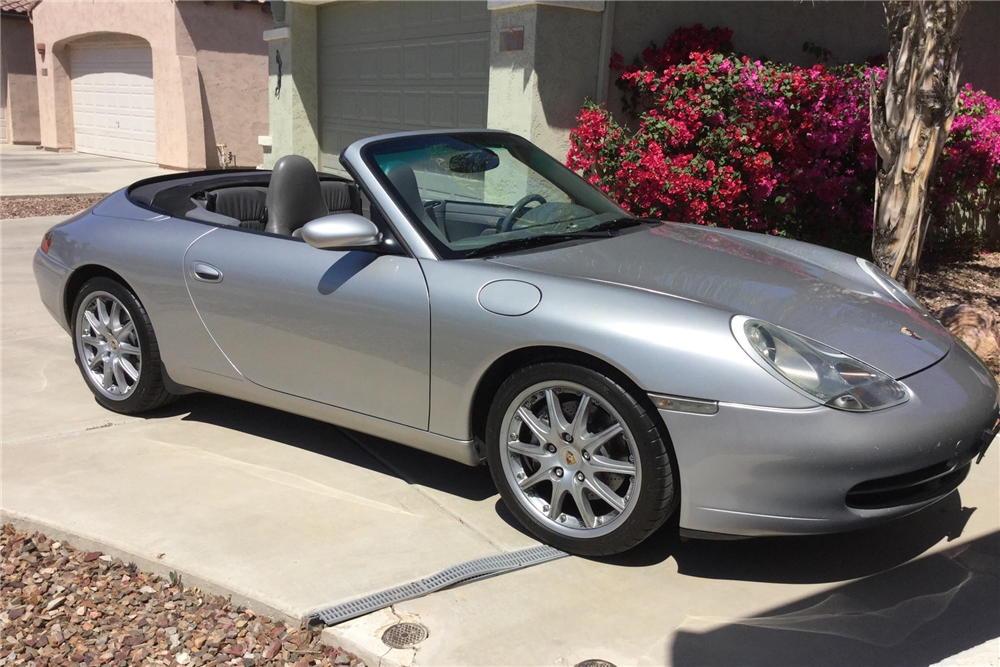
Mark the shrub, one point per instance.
(712, 137)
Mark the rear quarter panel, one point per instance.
(147, 250)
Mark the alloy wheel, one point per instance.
(570, 459)
(108, 346)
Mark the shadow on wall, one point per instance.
(212, 156)
(232, 76)
(916, 614)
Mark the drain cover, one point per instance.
(459, 574)
(405, 635)
(594, 663)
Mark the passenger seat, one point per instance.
(246, 204)
(341, 197)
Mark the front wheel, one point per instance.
(579, 460)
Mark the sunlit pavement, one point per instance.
(289, 515)
(29, 170)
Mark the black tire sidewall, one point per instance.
(148, 384)
(656, 498)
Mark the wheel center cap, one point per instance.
(570, 457)
(113, 343)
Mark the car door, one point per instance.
(345, 328)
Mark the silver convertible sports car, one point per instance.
(465, 294)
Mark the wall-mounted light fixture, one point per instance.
(40, 47)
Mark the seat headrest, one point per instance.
(293, 195)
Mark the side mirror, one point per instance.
(341, 230)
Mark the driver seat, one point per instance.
(405, 181)
(294, 196)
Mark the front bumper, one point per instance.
(51, 277)
(762, 471)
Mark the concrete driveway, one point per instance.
(28, 170)
(290, 515)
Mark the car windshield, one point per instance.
(481, 193)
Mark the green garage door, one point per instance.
(396, 66)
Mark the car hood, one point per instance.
(793, 287)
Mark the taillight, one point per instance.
(46, 242)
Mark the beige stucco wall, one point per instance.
(232, 67)
(537, 92)
(195, 59)
(17, 76)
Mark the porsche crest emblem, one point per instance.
(910, 332)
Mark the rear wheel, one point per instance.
(116, 348)
(579, 460)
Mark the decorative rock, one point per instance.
(272, 650)
(977, 329)
(103, 612)
(57, 602)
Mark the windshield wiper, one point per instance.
(621, 223)
(510, 245)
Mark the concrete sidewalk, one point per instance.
(289, 514)
(29, 170)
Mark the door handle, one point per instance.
(206, 273)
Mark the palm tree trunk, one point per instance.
(911, 114)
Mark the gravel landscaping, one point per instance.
(30, 207)
(64, 606)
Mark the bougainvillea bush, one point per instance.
(712, 137)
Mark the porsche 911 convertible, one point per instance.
(466, 294)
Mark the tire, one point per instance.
(578, 457)
(111, 344)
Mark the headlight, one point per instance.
(821, 372)
(895, 290)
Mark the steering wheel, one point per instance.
(519, 209)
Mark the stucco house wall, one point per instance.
(852, 31)
(193, 90)
(17, 76)
(232, 70)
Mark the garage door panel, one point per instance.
(415, 62)
(391, 103)
(394, 66)
(415, 110)
(474, 58)
(113, 101)
(471, 107)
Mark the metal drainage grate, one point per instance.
(594, 663)
(474, 569)
(404, 635)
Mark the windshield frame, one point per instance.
(564, 176)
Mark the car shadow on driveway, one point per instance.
(411, 465)
(808, 558)
(799, 559)
(787, 560)
(916, 614)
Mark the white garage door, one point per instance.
(395, 66)
(113, 100)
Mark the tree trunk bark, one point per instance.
(911, 114)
